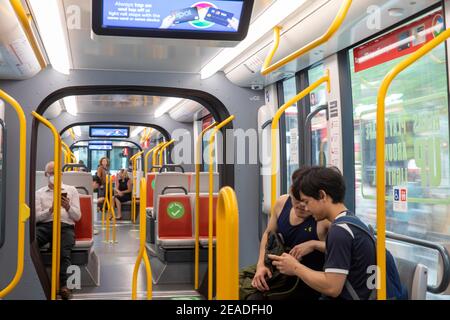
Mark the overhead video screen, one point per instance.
(108, 132)
(100, 146)
(221, 19)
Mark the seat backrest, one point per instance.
(204, 182)
(414, 276)
(174, 216)
(203, 212)
(80, 180)
(84, 227)
(150, 188)
(166, 179)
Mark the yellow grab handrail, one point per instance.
(227, 245)
(68, 155)
(336, 24)
(198, 161)
(24, 210)
(133, 197)
(155, 158)
(210, 206)
(56, 241)
(72, 134)
(275, 126)
(147, 155)
(142, 249)
(161, 151)
(111, 214)
(380, 163)
(106, 203)
(26, 25)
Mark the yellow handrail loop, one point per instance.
(198, 162)
(147, 156)
(162, 149)
(26, 25)
(380, 158)
(210, 206)
(109, 194)
(275, 126)
(155, 158)
(56, 241)
(24, 210)
(227, 245)
(133, 159)
(335, 25)
(142, 249)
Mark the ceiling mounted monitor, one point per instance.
(94, 146)
(226, 20)
(109, 132)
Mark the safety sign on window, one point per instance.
(400, 199)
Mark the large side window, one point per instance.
(417, 132)
(319, 123)
(291, 130)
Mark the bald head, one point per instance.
(50, 167)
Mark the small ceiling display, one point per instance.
(109, 132)
(186, 19)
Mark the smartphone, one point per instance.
(64, 194)
(219, 16)
(185, 15)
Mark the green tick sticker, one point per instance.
(153, 184)
(175, 210)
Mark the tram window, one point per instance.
(319, 124)
(81, 153)
(2, 182)
(117, 160)
(417, 133)
(291, 132)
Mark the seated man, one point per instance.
(70, 213)
(97, 185)
(349, 251)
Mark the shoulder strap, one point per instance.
(356, 222)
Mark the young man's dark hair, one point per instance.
(314, 179)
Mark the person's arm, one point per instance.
(42, 213)
(74, 210)
(259, 280)
(337, 266)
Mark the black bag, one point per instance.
(281, 286)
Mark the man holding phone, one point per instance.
(70, 213)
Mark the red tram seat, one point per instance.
(204, 217)
(174, 221)
(84, 227)
(150, 188)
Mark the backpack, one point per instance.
(394, 288)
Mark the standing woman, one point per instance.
(103, 169)
(124, 188)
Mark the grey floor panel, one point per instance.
(116, 270)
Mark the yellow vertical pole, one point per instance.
(380, 157)
(147, 156)
(107, 195)
(210, 203)
(155, 158)
(275, 126)
(161, 151)
(133, 197)
(56, 205)
(105, 203)
(142, 250)
(113, 214)
(198, 162)
(23, 209)
(227, 245)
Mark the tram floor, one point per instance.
(116, 270)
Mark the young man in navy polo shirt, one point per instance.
(350, 253)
